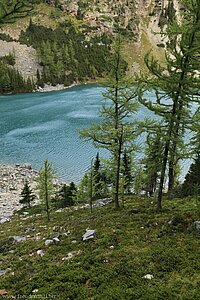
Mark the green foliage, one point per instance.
(127, 171)
(99, 180)
(27, 195)
(5, 37)
(65, 196)
(168, 15)
(191, 184)
(45, 185)
(176, 86)
(116, 130)
(83, 191)
(139, 179)
(95, 183)
(153, 160)
(65, 53)
(11, 81)
(8, 59)
(13, 9)
(127, 246)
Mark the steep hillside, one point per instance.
(138, 21)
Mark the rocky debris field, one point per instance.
(12, 179)
(25, 57)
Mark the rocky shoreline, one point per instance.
(51, 88)
(12, 179)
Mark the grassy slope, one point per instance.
(44, 15)
(141, 243)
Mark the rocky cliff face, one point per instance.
(128, 14)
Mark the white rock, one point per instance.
(197, 225)
(19, 239)
(48, 242)
(90, 234)
(25, 213)
(69, 256)
(40, 252)
(56, 240)
(148, 276)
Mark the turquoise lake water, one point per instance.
(39, 126)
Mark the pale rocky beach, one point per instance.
(12, 179)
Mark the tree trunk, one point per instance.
(171, 179)
(162, 176)
(46, 193)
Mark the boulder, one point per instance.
(89, 234)
(56, 228)
(48, 242)
(197, 225)
(40, 252)
(69, 256)
(2, 272)
(56, 236)
(19, 238)
(148, 276)
(4, 220)
(56, 241)
(27, 166)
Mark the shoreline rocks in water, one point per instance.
(12, 179)
(52, 88)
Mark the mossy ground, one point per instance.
(129, 244)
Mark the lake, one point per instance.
(39, 126)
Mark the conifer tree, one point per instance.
(191, 184)
(65, 196)
(27, 195)
(11, 10)
(127, 171)
(115, 132)
(152, 160)
(176, 85)
(45, 185)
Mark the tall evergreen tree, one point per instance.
(115, 132)
(191, 184)
(176, 85)
(127, 171)
(152, 160)
(45, 185)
